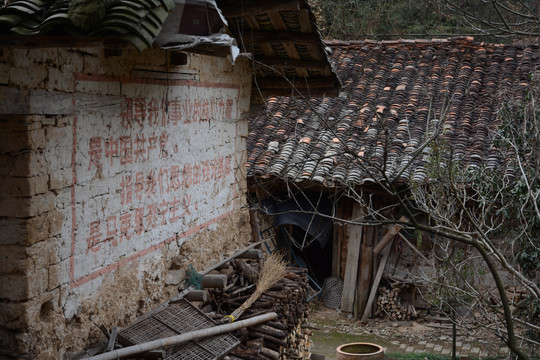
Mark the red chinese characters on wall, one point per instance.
(140, 113)
(167, 189)
(153, 195)
(126, 149)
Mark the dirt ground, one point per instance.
(335, 329)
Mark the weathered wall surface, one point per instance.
(111, 167)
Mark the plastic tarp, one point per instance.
(303, 211)
(186, 28)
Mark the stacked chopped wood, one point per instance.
(287, 337)
(390, 304)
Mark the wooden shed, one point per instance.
(374, 132)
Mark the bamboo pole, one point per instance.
(182, 338)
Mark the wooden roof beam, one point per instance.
(290, 48)
(259, 7)
(277, 62)
(304, 83)
(277, 37)
(311, 87)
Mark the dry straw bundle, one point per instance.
(272, 270)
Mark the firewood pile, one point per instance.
(287, 337)
(392, 306)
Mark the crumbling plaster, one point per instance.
(58, 279)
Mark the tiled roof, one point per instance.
(281, 35)
(391, 90)
(286, 45)
(137, 21)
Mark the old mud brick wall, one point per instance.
(110, 167)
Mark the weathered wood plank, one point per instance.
(376, 281)
(336, 250)
(365, 272)
(351, 268)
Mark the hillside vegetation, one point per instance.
(501, 20)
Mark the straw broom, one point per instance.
(272, 270)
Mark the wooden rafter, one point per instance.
(278, 62)
(279, 25)
(266, 48)
(277, 37)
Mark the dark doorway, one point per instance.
(317, 259)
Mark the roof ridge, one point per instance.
(462, 40)
(455, 39)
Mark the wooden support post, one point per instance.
(376, 281)
(365, 273)
(351, 268)
(255, 227)
(336, 246)
(382, 245)
(368, 266)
